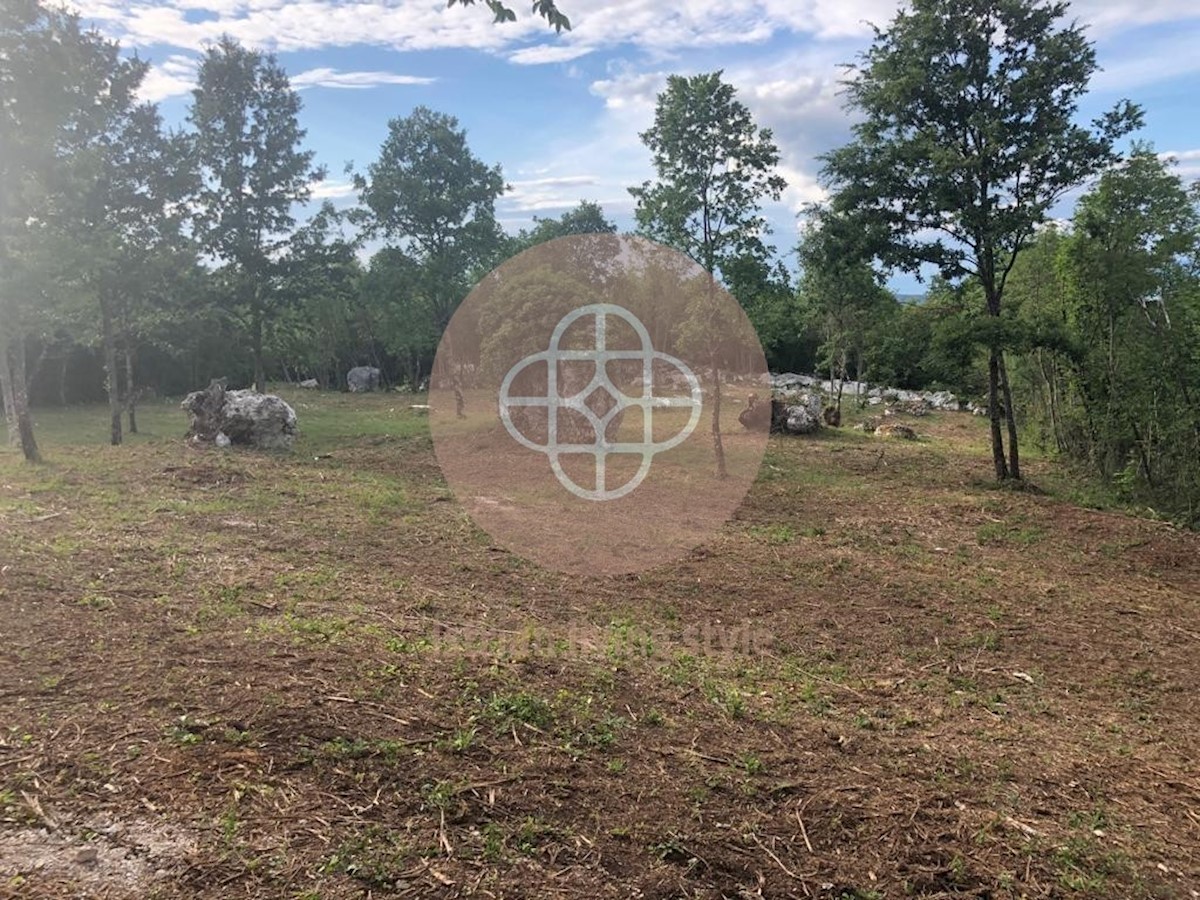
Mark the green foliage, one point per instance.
(246, 118)
(1115, 304)
(841, 295)
(544, 8)
(967, 138)
(434, 201)
(714, 168)
(585, 218)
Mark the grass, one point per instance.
(317, 667)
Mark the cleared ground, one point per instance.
(229, 675)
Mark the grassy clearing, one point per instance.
(311, 675)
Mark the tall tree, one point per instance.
(434, 202)
(1132, 267)
(248, 137)
(715, 167)
(59, 86)
(967, 138)
(119, 211)
(841, 293)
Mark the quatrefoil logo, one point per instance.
(584, 406)
(600, 388)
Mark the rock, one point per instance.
(796, 413)
(896, 430)
(943, 400)
(870, 423)
(310, 384)
(248, 418)
(801, 420)
(363, 379)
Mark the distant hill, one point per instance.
(908, 299)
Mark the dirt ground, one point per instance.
(229, 675)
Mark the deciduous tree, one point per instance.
(248, 144)
(714, 169)
(967, 138)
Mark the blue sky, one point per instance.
(561, 113)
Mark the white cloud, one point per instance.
(647, 25)
(1187, 163)
(175, 76)
(331, 190)
(1152, 58)
(534, 195)
(548, 53)
(332, 78)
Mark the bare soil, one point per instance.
(229, 675)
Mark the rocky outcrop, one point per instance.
(248, 418)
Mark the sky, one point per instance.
(561, 113)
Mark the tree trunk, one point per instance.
(130, 391)
(12, 370)
(1010, 418)
(63, 365)
(718, 444)
(113, 380)
(260, 375)
(994, 415)
(6, 393)
(257, 314)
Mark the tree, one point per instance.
(247, 132)
(544, 8)
(715, 167)
(585, 218)
(841, 293)
(434, 201)
(118, 213)
(1132, 270)
(59, 87)
(967, 139)
(320, 329)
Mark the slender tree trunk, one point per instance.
(1014, 456)
(260, 375)
(6, 392)
(718, 443)
(12, 370)
(994, 415)
(63, 365)
(113, 380)
(130, 389)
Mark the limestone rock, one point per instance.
(247, 418)
(895, 430)
(363, 379)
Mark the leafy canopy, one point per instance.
(968, 134)
(714, 167)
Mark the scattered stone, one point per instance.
(363, 379)
(310, 384)
(223, 418)
(895, 430)
(870, 423)
(801, 420)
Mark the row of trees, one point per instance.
(162, 247)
